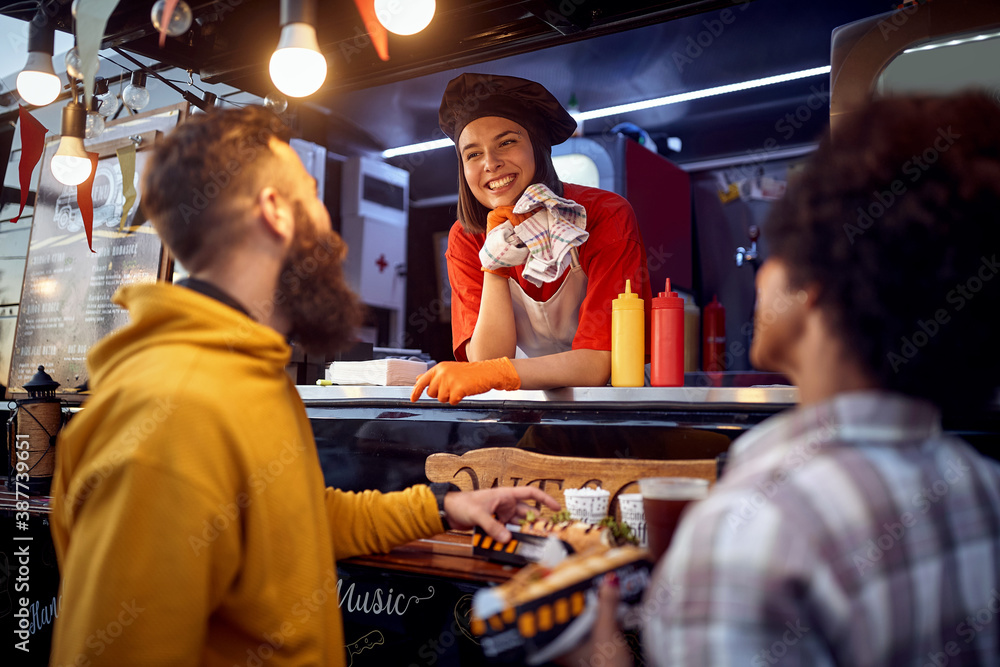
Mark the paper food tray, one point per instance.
(521, 550)
(537, 630)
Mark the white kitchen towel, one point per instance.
(502, 249)
(550, 234)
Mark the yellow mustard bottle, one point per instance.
(628, 340)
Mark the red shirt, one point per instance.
(612, 253)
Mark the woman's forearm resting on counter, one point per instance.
(575, 368)
(451, 381)
(494, 335)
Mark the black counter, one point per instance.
(375, 438)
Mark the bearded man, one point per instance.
(189, 512)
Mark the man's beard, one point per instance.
(322, 309)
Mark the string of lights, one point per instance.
(297, 67)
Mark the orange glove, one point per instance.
(502, 214)
(497, 217)
(451, 381)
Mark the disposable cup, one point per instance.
(664, 500)
(634, 515)
(586, 504)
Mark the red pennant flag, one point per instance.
(168, 12)
(379, 35)
(32, 145)
(85, 200)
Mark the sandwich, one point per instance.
(581, 536)
(543, 611)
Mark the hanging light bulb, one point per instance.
(297, 67)
(37, 83)
(73, 64)
(276, 102)
(95, 121)
(135, 96)
(108, 100)
(71, 164)
(180, 19)
(404, 17)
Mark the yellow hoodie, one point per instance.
(189, 512)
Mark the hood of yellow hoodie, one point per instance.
(162, 313)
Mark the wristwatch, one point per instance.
(440, 489)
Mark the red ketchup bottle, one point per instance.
(713, 328)
(667, 345)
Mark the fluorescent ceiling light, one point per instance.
(953, 42)
(699, 94)
(639, 106)
(418, 148)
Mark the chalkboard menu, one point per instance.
(66, 302)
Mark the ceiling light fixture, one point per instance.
(73, 64)
(188, 96)
(404, 17)
(135, 96)
(297, 67)
(639, 106)
(418, 148)
(37, 83)
(71, 164)
(95, 121)
(276, 102)
(179, 21)
(703, 93)
(108, 100)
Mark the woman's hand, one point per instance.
(503, 250)
(451, 381)
(502, 214)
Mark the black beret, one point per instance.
(472, 96)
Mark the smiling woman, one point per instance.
(497, 158)
(534, 263)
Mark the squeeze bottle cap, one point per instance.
(714, 304)
(668, 299)
(627, 299)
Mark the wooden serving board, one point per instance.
(446, 555)
(508, 466)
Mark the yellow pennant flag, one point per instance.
(126, 159)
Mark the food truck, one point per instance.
(696, 111)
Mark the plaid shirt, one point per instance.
(852, 532)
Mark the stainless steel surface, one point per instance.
(757, 396)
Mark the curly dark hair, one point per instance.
(895, 219)
(204, 173)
